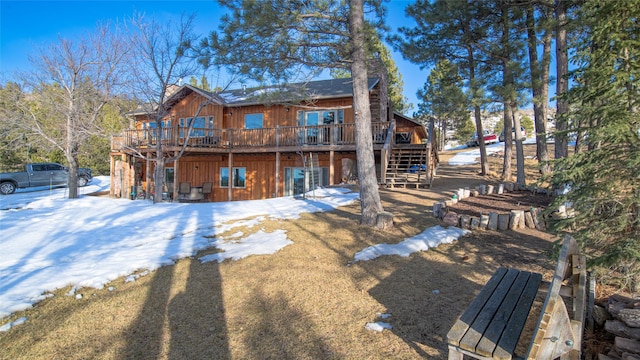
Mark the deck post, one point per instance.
(230, 167)
(277, 172)
(331, 167)
(176, 179)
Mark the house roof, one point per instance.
(278, 94)
(293, 93)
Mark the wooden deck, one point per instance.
(329, 137)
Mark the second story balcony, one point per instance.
(284, 138)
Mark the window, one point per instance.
(253, 121)
(201, 126)
(168, 175)
(238, 179)
(54, 167)
(320, 117)
(224, 177)
(151, 132)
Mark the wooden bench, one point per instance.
(491, 327)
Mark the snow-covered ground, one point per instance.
(48, 242)
(471, 156)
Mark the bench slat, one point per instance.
(473, 336)
(493, 333)
(514, 328)
(461, 326)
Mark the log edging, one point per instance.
(515, 219)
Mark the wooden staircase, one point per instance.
(407, 166)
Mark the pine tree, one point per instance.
(450, 30)
(443, 98)
(603, 180)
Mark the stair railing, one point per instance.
(385, 153)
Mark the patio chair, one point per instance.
(206, 189)
(184, 189)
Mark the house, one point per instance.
(266, 142)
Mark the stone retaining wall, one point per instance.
(515, 219)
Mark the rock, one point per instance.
(605, 357)
(465, 221)
(493, 221)
(521, 220)
(451, 219)
(600, 315)
(617, 302)
(475, 223)
(484, 222)
(528, 220)
(538, 220)
(627, 345)
(618, 328)
(631, 317)
(489, 189)
(500, 188)
(439, 210)
(503, 221)
(514, 219)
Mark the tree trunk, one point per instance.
(73, 177)
(71, 153)
(520, 175)
(370, 202)
(562, 85)
(539, 86)
(484, 164)
(508, 142)
(158, 173)
(507, 83)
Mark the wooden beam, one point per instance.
(277, 173)
(230, 166)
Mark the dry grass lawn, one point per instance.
(308, 301)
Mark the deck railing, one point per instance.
(282, 136)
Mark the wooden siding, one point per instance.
(283, 115)
(260, 182)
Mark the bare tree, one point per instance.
(162, 59)
(69, 86)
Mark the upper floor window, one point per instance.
(320, 117)
(202, 126)
(253, 121)
(151, 126)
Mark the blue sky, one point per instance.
(25, 25)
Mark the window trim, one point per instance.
(231, 178)
(224, 169)
(246, 116)
(234, 177)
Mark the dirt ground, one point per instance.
(308, 301)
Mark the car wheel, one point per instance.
(7, 188)
(82, 181)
